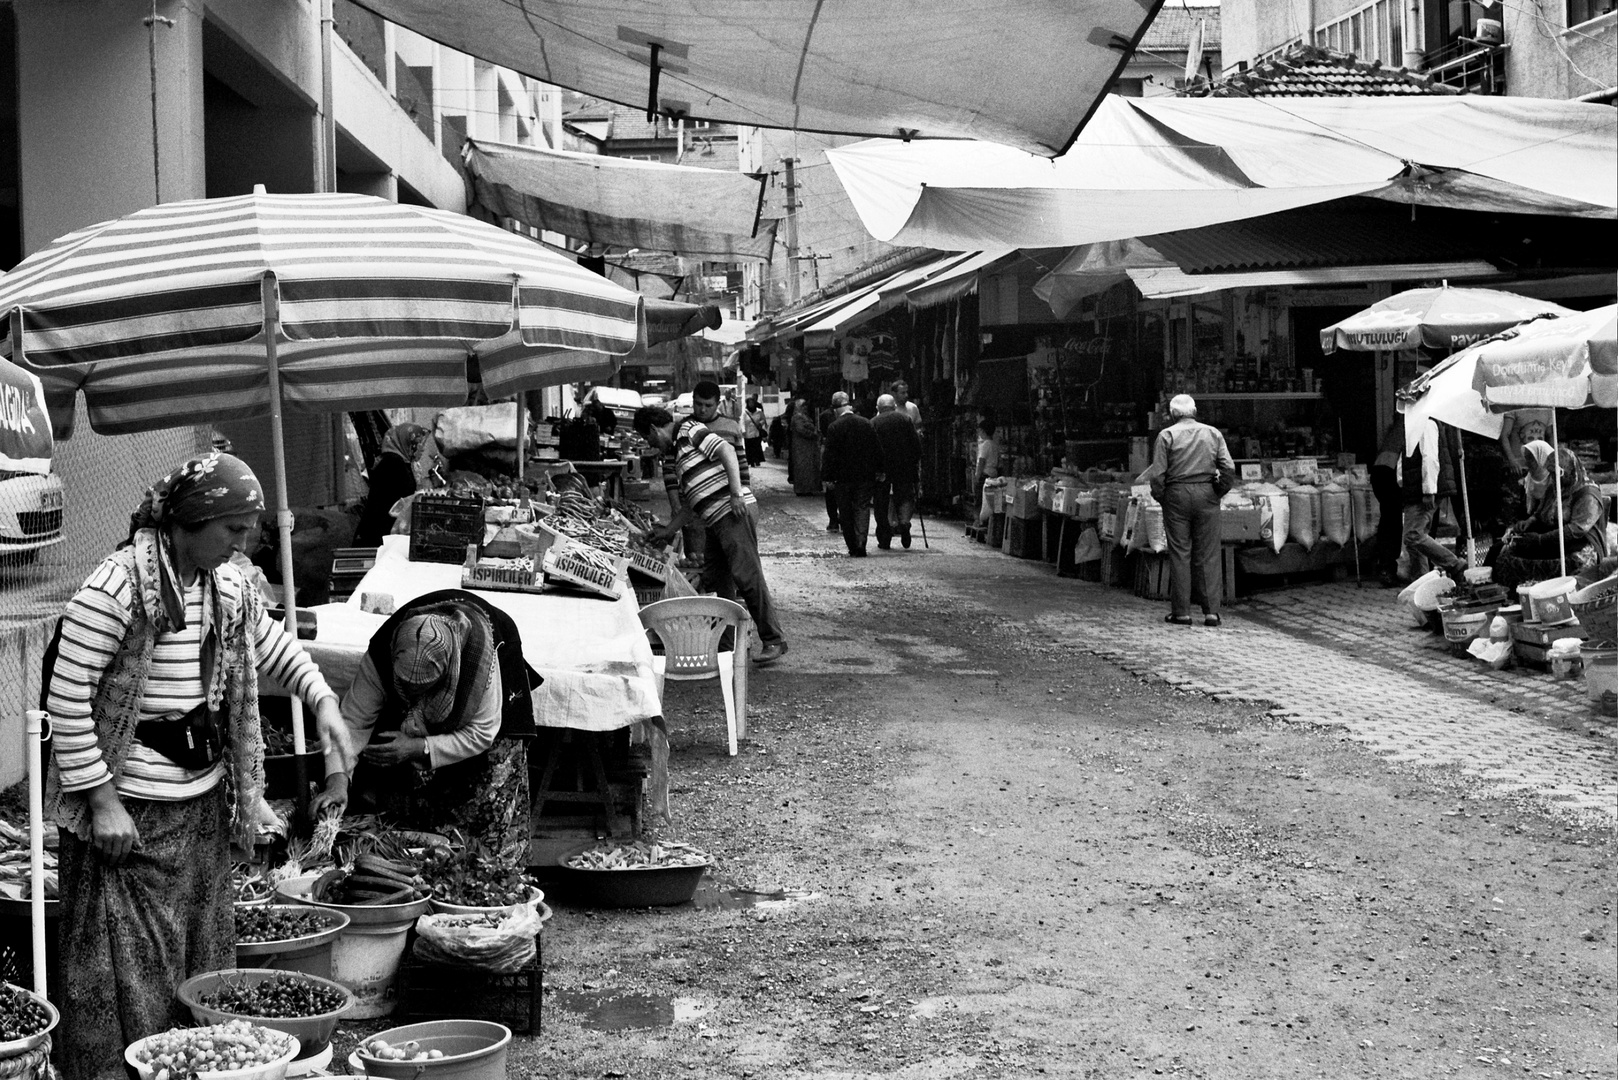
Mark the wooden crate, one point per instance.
(1531, 642)
(1152, 576)
(1024, 538)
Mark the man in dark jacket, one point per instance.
(895, 499)
(852, 460)
(1431, 476)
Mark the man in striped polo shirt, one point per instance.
(709, 477)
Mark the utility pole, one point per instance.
(792, 230)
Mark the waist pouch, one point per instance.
(194, 741)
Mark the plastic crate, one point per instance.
(442, 525)
(428, 991)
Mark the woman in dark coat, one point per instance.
(392, 477)
(805, 450)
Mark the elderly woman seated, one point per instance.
(1532, 549)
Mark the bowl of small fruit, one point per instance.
(465, 1049)
(304, 1006)
(296, 937)
(233, 1051)
(26, 1020)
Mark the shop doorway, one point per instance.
(1349, 381)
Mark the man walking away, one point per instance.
(827, 415)
(894, 502)
(1192, 468)
(712, 492)
(852, 461)
(1431, 476)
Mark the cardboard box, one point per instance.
(1241, 523)
(1023, 500)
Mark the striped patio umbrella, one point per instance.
(167, 315)
(227, 308)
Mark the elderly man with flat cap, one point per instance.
(439, 711)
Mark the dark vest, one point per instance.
(1449, 466)
(517, 682)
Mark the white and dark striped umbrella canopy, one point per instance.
(157, 317)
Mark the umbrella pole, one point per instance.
(283, 523)
(522, 439)
(1561, 537)
(1466, 505)
(36, 720)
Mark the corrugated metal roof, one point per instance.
(1172, 28)
(1312, 236)
(1312, 71)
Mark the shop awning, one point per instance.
(952, 284)
(1155, 165)
(650, 205)
(864, 304)
(1157, 282)
(1094, 268)
(876, 67)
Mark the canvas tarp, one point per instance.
(629, 204)
(1156, 165)
(876, 67)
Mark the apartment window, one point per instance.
(1579, 11)
(1373, 32)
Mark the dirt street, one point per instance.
(984, 854)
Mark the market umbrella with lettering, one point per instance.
(1445, 318)
(1561, 363)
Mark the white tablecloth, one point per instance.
(592, 652)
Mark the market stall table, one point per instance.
(591, 651)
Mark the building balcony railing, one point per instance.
(1467, 65)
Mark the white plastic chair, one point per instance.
(690, 629)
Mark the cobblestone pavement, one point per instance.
(1332, 654)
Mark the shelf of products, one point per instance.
(1264, 395)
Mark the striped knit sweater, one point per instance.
(94, 624)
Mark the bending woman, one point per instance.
(158, 757)
(1531, 550)
(440, 740)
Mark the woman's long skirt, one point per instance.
(130, 935)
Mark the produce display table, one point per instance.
(592, 652)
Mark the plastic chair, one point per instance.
(690, 629)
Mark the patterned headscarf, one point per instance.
(214, 485)
(404, 440)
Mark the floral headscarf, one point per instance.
(214, 485)
(404, 440)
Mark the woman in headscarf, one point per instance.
(392, 477)
(805, 435)
(1532, 549)
(157, 760)
(440, 740)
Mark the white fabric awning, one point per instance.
(1156, 165)
(864, 304)
(629, 204)
(1022, 72)
(1157, 282)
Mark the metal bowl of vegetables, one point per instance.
(639, 874)
(304, 1006)
(26, 1020)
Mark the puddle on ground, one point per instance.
(709, 898)
(613, 1010)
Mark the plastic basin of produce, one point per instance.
(444, 907)
(472, 1049)
(649, 886)
(366, 955)
(274, 1070)
(15, 1048)
(312, 1032)
(309, 953)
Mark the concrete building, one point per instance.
(1157, 66)
(103, 113)
(1558, 49)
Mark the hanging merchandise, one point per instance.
(856, 359)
